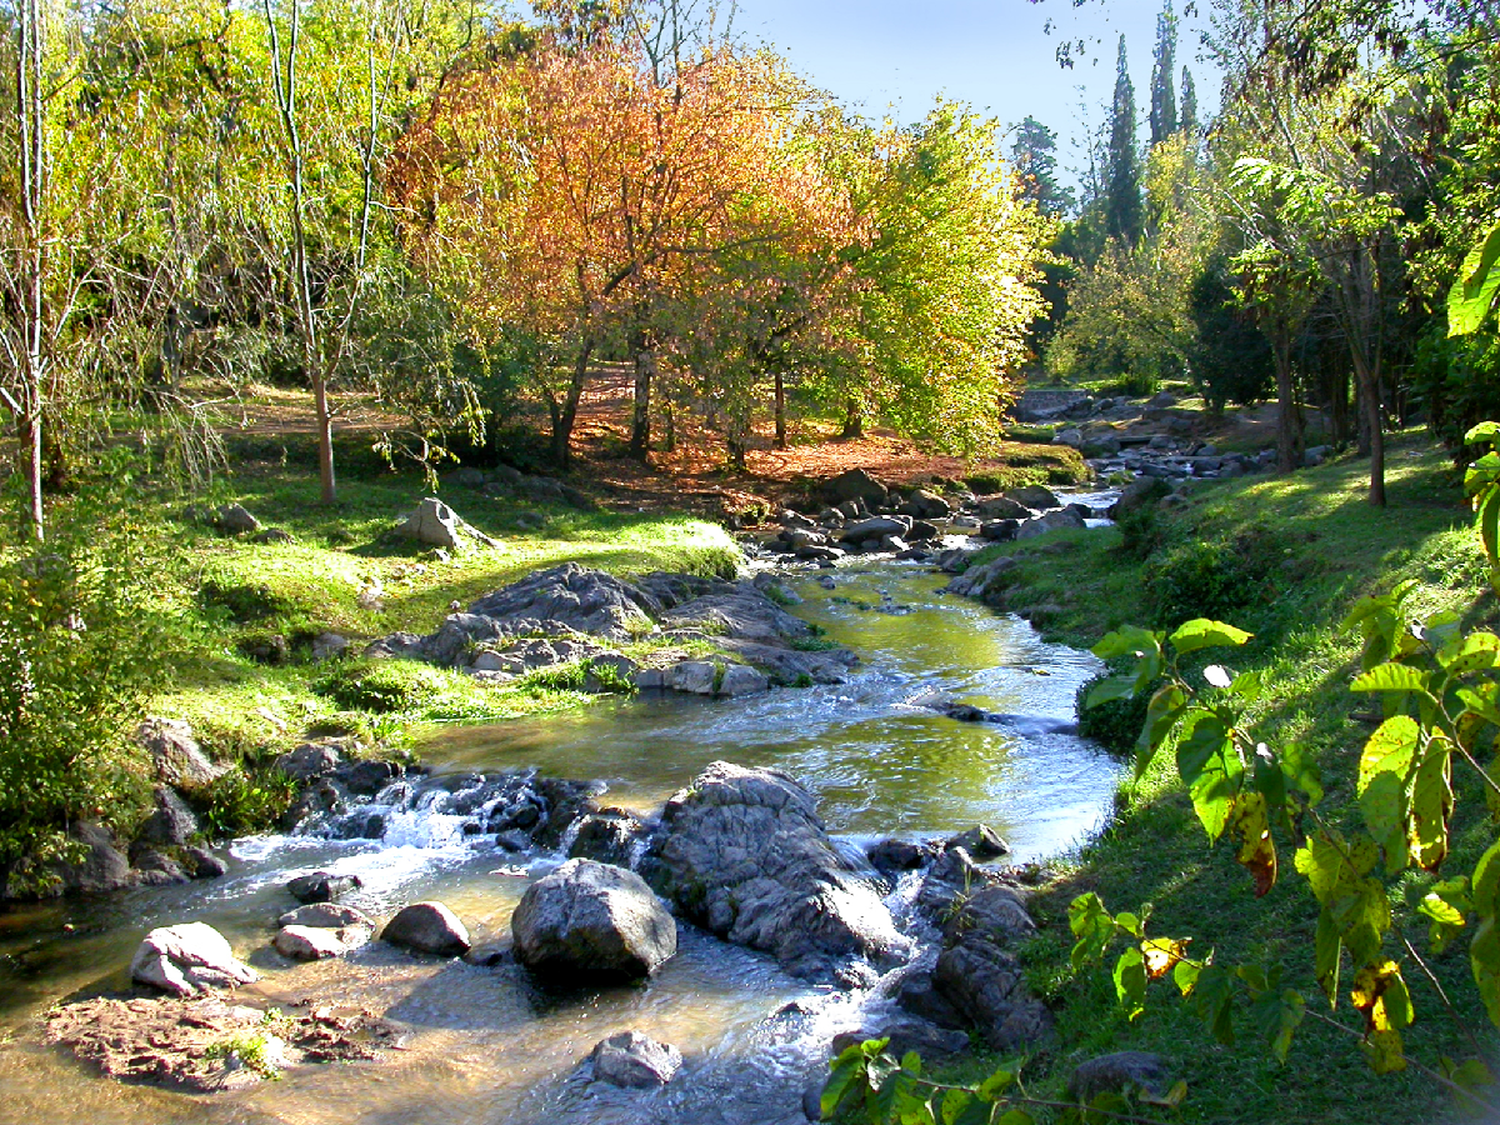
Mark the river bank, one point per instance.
(1285, 558)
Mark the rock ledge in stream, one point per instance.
(744, 854)
(575, 609)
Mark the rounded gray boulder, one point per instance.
(594, 921)
(428, 927)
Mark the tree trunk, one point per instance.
(1369, 395)
(1288, 410)
(780, 408)
(854, 420)
(640, 424)
(30, 113)
(563, 419)
(669, 427)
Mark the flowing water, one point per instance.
(484, 1046)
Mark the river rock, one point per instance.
(985, 983)
(203, 864)
(572, 598)
(1034, 496)
(608, 836)
(188, 958)
(368, 778)
(692, 677)
(857, 484)
(744, 854)
(997, 912)
(892, 856)
(981, 841)
(592, 920)
(326, 915)
(171, 821)
(741, 679)
(310, 760)
(876, 528)
(428, 927)
(1058, 520)
(1002, 508)
(920, 996)
(316, 943)
(153, 869)
(176, 756)
(103, 867)
(927, 1039)
(738, 612)
(1120, 1072)
(635, 1061)
(322, 886)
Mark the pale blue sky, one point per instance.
(993, 54)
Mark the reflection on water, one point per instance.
(486, 1047)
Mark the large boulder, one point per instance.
(984, 981)
(437, 525)
(1034, 496)
(188, 958)
(177, 758)
(744, 854)
(590, 920)
(102, 866)
(171, 822)
(1001, 508)
(856, 484)
(428, 927)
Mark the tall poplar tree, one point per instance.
(1188, 117)
(1163, 115)
(1122, 202)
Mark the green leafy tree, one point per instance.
(1034, 157)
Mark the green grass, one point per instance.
(1306, 547)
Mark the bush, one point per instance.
(381, 686)
(1115, 725)
(82, 648)
(1218, 580)
(243, 802)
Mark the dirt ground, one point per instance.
(695, 477)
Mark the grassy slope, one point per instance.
(1315, 546)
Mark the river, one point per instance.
(484, 1045)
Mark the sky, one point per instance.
(889, 58)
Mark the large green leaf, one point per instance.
(1390, 677)
(1474, 293)
(1203, 633)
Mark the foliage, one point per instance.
(84, 647)
(1114, 723)
(381, 686)
(867, 1081)
(1229, 358)
(246, 800)
(1436, 685)
(1218, 577)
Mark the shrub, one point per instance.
(381, 686)
(1115, 725)
(1219, 580)
(82, 647)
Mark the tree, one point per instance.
(1122, 172)
(1188, 116)
(567, 192)
(1163, 115)
(1033, 156)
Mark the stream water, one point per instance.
(485, 1047)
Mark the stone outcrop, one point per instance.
(188, 958)
(592, 921)
(744, 854)
(177, 758)
(571, 613)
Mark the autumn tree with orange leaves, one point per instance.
(567, 192)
